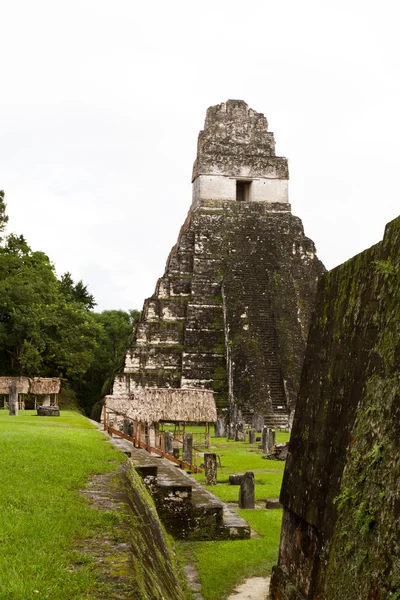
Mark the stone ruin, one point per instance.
(341, 488)
(232, 310)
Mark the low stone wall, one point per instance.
(155, 567)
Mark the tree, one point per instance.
(48, 328)
(41, 332)
(3, 215)
(76, 292)
(117, 330)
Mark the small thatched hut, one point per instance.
(150, 407)
(45, 385)
(22, 385)
(13, 390)
(168, 405)
(48, 387)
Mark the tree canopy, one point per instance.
(48, 327)
(3, 216)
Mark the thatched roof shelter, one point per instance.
(36, 385)
(22, 385)
(45, 385)
(168, 405)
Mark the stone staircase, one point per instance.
(264, 328)
(187, 510)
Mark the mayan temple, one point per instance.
(232, 310)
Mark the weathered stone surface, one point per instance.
(280, 451)
(168, 441)
(231, 312)
(13, 399)
(187, 510)
(235, 479)
(48, 411)
(210, 467)
(153, 563)
(272, 441)
(268, 439)
(220, 428)
(341, 522)
(231, 433)
(257, 422)
(240, 432)
(246, 493)
(273, 503)
(46, 400)
(236, 145)
(187, 452)
(252, 436)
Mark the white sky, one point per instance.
(101, 103)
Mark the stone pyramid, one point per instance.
(232, 310)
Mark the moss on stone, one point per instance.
(346, 438)
(156, 569)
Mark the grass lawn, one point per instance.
(239, 457)
(44, 518)
(44, 462)
(223, 565)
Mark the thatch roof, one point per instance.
(21, 382)
(45, 385)
(37, 385)
(153, 405)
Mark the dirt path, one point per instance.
(255, 588)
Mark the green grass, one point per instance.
(44, 519)
(239, 457)
(223, 565)
(44, 462)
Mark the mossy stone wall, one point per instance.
(155, 568)
(341, 488)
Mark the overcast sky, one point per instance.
(102, 101)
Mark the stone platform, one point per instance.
(187, 510)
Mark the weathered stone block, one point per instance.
(48, 411)
(235, 479)
(168, 441)
(280, 451)
(246, 493)
(187, 452)
(220, 428)
(257, 422)
(210, 467)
